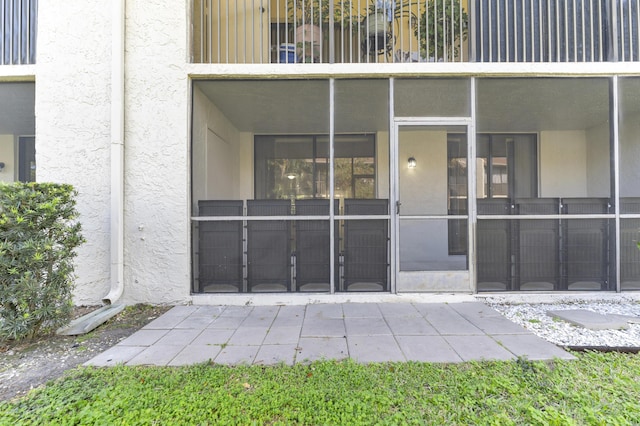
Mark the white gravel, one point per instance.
(533, 317)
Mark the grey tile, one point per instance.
(374, 349)
(531, 347)
(398, 310)
(499, 325)
(276, 354)
(237, 311)
(476, 348)
(181, 311)
(471, 310)
(323, 328)
(293, 311)
(234, 355)
(143, 338)
(447, 321)
(226, 322)
(283, 335)
(317, 348)
(248, 336)
(115, 355)
(410, 326)
(213, 311)
(427, 349)
(361, 310)
(195, 322)
(165, 322)
(195, 354)
(178, 337)
(258, 320)
(156, 355)
(213, 336)
(324, 311)
(366, 326)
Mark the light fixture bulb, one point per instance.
(291, 176)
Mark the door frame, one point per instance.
(468, 275)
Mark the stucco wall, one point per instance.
(598, 161)
(72, 110)
(7, 156)
(629, 155)
(73, 102)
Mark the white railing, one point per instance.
(373, 31)
(18, 20)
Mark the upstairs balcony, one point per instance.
(388, 31)
(18, 25)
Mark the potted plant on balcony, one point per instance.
(442, 28)
(376, 28)
(311, 18)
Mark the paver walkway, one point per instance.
(365, 332)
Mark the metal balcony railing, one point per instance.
(18, 25)
(374, 31)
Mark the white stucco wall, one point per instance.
(73, 129)
(563, 164)
(72, 110)
(598, 161)
(7, 156)
(629, 155)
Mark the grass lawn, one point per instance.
(595, 389)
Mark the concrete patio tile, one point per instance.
(403, 310)
(159, 355)
(291, 311)
(283, 335)
(226, 322)
(234, 355)
(324, 311)
(318, 348)
(323, 328)
(195, 354)
(181, 337)
(115, 356)
(165, 322)
(259, 320)
(181, 311)
(276, 354)
(471, 310)
(498, 325)
(195, 322)
(237, 311)
(143, 338)
(213, 336)
(248, 336)
(214, 311)
(361, 310)
(427, 349)
(589, 319)
(366, 327)
(531, 347)
(408, 326)
(288, 321)
(447, 321)
(374, 349)
(476, 348)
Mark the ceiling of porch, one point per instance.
(503, 105)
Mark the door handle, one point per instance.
(398, 204)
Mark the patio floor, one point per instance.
(365, 332)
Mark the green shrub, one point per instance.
(38, 235)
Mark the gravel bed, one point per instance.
(533, 317)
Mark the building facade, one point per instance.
(309, 147)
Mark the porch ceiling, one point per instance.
(504, 105)
(17, 109)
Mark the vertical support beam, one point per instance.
(472, 220)
(394, 247)
(614, 108)
(332, 128)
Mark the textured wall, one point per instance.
(73, 128)
(72, 113)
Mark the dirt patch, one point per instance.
(27, 365)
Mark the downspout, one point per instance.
(117, 152)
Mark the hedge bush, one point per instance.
(39, 232)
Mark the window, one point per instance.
(297, 167)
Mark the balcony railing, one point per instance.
(18, 25)
(374, 31)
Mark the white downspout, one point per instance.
(117, 152)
